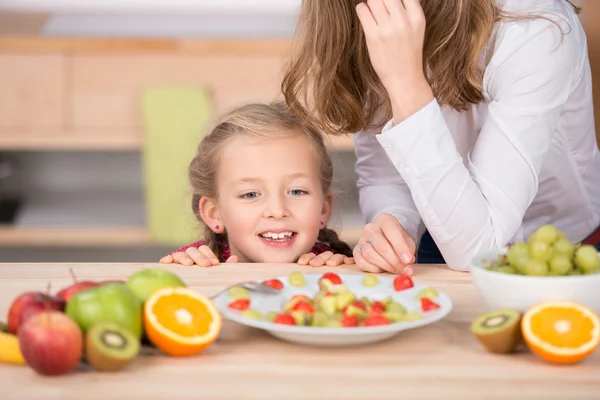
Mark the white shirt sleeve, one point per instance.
(479, 206)
(381, 188)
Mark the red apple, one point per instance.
(51, 343)
(29, 304)
(75, 288)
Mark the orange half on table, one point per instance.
(180, 321)
(561, 332)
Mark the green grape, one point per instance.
(575, 272)
(586, 258)
(539, 250)
(507, 269)
(238, 292)
(536, 267)
(560, 264)
(395, 307)
(252, 314)
(270, 316)
(370, 280)
(546, 233)
(593, 271)
(520, 264)
(296, 279)
(564, 247)
(515, 252)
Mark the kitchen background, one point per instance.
(85, 171)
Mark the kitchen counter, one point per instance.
(439, 361)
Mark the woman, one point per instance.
(474, 121)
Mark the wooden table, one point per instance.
(440, 361)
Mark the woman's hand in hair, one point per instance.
(385, 246)
(202, 256)
(327, 259)
(394, 32)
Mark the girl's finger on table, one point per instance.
(182, 258)
(305, 258)
(198, 257)
(336, 260)
(208, 253)
(321, 259)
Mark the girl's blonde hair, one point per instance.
(331, 85)
(263, 121)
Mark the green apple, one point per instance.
(111, 302)
(146, 281)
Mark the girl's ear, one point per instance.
(326, 210)
(209, 212)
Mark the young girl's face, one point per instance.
(270, 198)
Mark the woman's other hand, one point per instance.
(385, 246)
(202, 256)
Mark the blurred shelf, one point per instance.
(118, 236)
(74, 236)
(113, 140)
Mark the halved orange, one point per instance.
(561, 332)
(180, 321)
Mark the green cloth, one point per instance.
(174, 121)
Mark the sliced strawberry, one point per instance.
(402, 282)
(333, 278)
(377, 320)
(377, 307)
(274, 283)
(356, 303)
(240, 304)
(284, 319)
(303, 307)
(428, 305)
(300, 297)
(349, 321)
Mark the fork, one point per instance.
(253, 286)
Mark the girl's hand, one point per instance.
(327, 258)
(385, 246)
(203, 256)
(394, 33)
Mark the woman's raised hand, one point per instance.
(395, 32)
(385, 246)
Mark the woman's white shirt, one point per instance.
(526, 156)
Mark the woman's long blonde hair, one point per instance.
(331, 86)
(264, 121)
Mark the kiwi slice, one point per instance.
(110, 347)
(498, 331)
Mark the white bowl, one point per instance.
(334, 337)
(520, 292)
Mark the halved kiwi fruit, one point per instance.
(498, 331)
(110, 347)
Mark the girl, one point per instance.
(261, 186)
(474, 119)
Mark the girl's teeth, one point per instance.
(271, 235)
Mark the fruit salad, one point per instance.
(548, 252)
(335, 305)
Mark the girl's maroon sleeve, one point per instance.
(184, 248)
(319, 248)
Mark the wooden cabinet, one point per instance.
(72, 95)
(32, 94)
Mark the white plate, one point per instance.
(319, 336)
